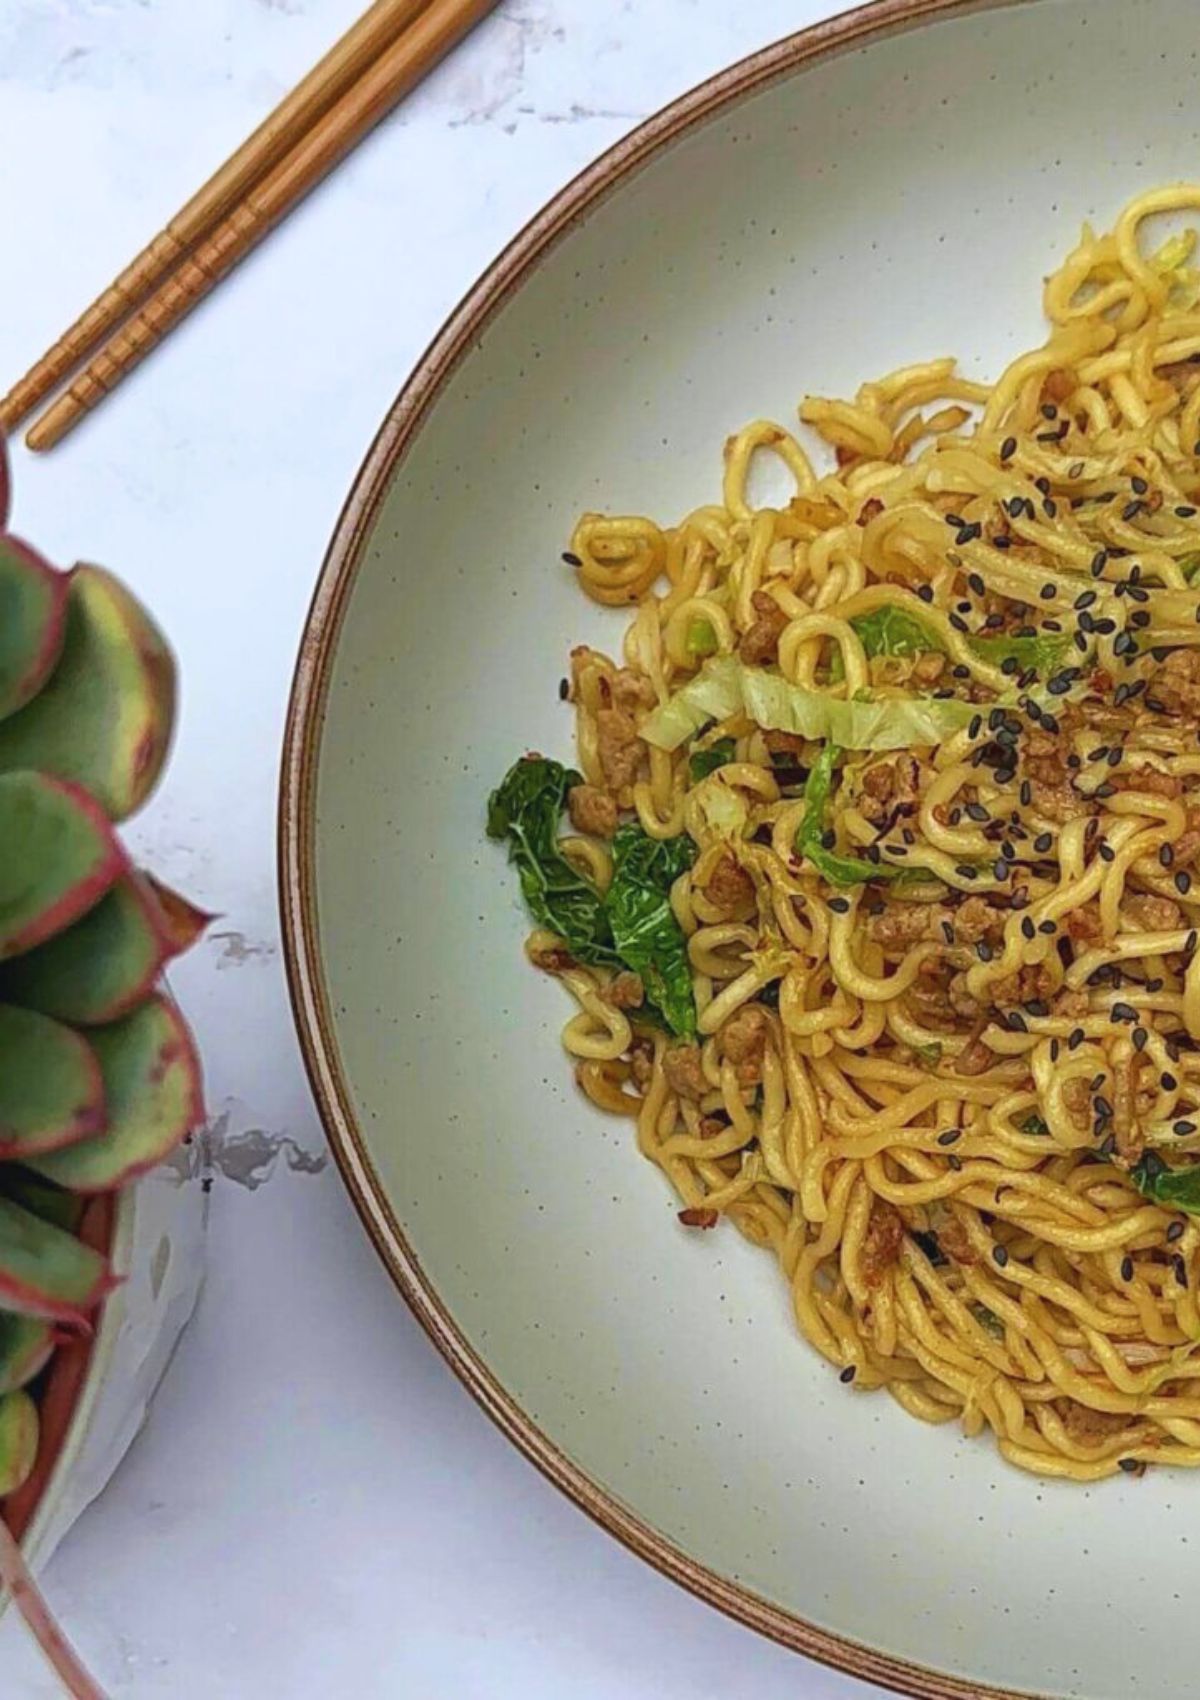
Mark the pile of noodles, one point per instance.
(967, 1145)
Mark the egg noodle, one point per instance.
(927, 734)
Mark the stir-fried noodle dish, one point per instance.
(879, 887)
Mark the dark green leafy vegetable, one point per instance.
(1177, 1189)
(894, 631)
(830, 864)
(644, 929)
(632, 925)
(1035, 1125)
(526, 809)
(704, 762)
(987, 1319)
(1045, 652)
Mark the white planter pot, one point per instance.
(157, 1250)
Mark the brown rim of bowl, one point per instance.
(297, 824)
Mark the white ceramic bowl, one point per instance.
(891, 187)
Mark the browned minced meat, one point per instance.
(929, 669)
(963, 1001)
(1070, 1004)
(711, 1127)
(1077, 1098)
(1145, 778)
(976, 919)
(592, 810)
(1177, 683)
(1034, 980)
(1083, 924)
(955, 1241)
(785, 744)
(631, 691)
(930, 993)
(975, 1057)
(619, 745)
(1053, 794)
(729, 887)
(553, 959)
(761, 643)
(641, 1063)
(1087, 1427)
(1058, 384)
(882, 1242)
(889, 788)
(1151, 914)
(744, 1039)
(903, 924)
(1188, 843)
(681, 1065)
(625, 991)
(870, 510)
(698, 1217)
(1131, 1141)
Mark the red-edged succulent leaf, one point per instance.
(58, 857)
(26, 1596)
(51, 1088)
(26, 1345)
(107, 963)
(18, 1440)
(182, 922)
(33, 617)
(104, 718)
(43, 1198)
(153, 1098)
(45, 1272)
(5, 485)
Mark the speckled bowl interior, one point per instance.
(886, 202)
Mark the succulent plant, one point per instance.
(99, 1078)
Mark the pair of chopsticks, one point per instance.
(357, 83)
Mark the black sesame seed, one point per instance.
(1132, 510)
(1123, 1012)
(1183, 882)
(1107, 853)
(1182, 1128)
(1129, 1465)
(1139, 486)
(848, 1374)
(925, 592)
(1008, 448)
(1140, 1037)
(1175, 1232)
(1028, 928)
(1000, 1254)
(957, 621)
(965, 871)
(1075, 1039)
(1185, 512)
(976, 584)
(839, 904)
(951, 1136)
(1107, 1146)
(1026, 791)
(1166, 855)
(955, 1162)
(571, 560)
(947, 932)
(1127, 1269)
(1180, 1270)
(976, 726)
(1167, 1081)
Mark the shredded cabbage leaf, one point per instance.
(726, 686)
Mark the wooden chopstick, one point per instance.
(399, 68)
(274, 139)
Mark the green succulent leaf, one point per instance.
(104, 718)
(102, 967)
(58, 857)
(26, 1345)
(153, 1095)
(45, 1272)
(33, 608)
(19, 1435)
(51, 1090)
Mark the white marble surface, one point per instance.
(315, 1508)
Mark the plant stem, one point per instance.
(27, 1598)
